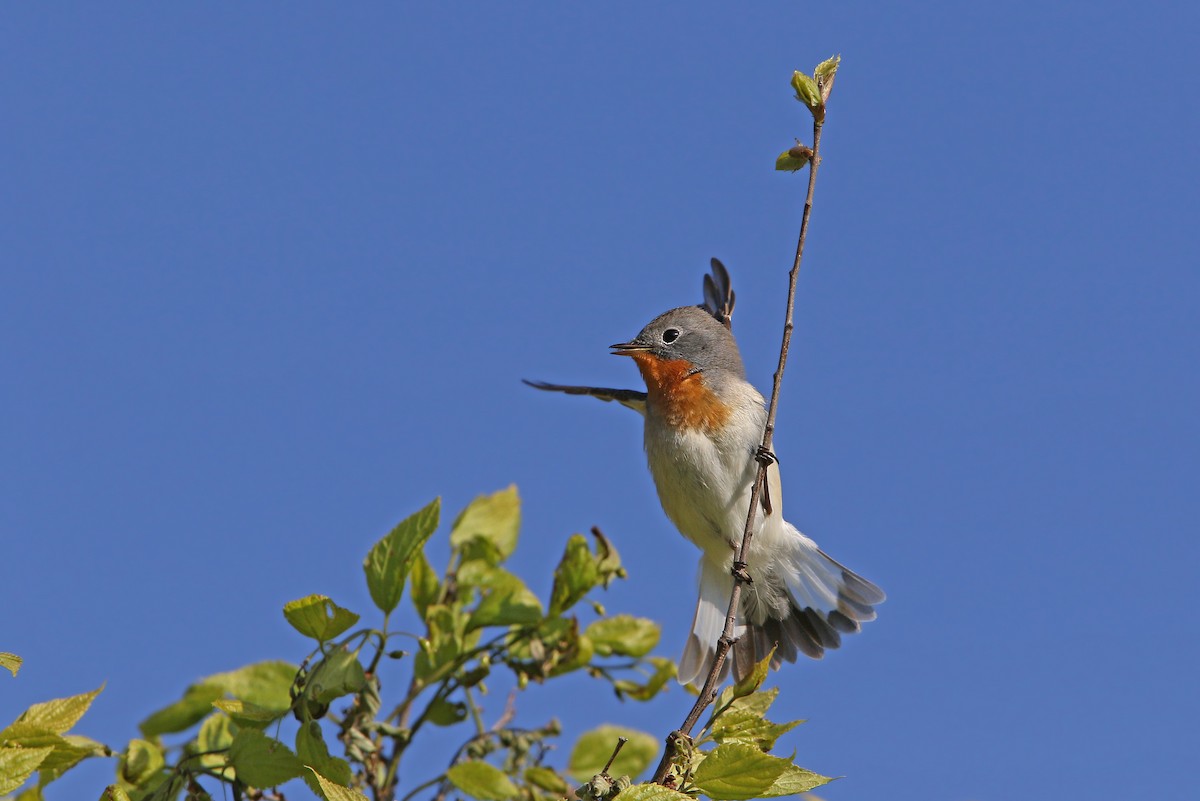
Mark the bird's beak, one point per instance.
(629, 348)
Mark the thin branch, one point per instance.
(709, 691)
(620, 744)
(510, 711)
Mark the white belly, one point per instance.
(704, 481)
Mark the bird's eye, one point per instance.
(670, 335)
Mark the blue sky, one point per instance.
(269, 279)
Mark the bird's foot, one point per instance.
(765, 456)
(739, 572)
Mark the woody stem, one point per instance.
(708, 692)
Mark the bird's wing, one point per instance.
(631, 398)
(718, 294)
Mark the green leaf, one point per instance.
(576, 574)
(443, 645)
(183, 714)
(653, 792)
(481, 780)
(244, 713)
(261, 761)
(340, 673)
(577, 654)
(446, 713)
(794, 780)
(506, 601)
(549, 780)
(140, 763)
(594, 748)
(18, 764)
(387, 565)
(791, 160)
(312, 750)
(756, 703)
(69, 751)
(264, 684)
(216, 734)
(10, 661)
(825, 72)
(664, 671)
(495, 519)
(625, 635)
(114, 792)
(736, 771)
(59, 715)
(318, 617)
(806, 90)
(608, 561)
(335, 792)
(755, 678)
(745, 727)
(425, 586)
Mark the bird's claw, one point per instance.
(739, 572)
(765, 456)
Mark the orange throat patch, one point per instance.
(680, 395)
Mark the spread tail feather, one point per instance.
(801, 602)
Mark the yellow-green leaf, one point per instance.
(806, 89)
(340, 673)
(594, 748)
(505, 601)
(664, 671)
(317, 616)
(825, 72)
(314, 753)
(183, 714)
(756, 703)
(737, 771)
(11, 662)
(794, 780)
(114, 792)
(441, 712)
(335, 792)
(244, 713)
(18, 764)
(425, 586)
(576, 574)
(140, 763)
(69, 751)
(481, 780)
(548, 780)
(791, 160)
(624, 634)
(494, 518)
(59, 715)
(215, 735)
(754, 679)
(264, 684)
(653, 792)
(745, 727)
(388, 562)
(261, 761)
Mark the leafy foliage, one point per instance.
(478, 618)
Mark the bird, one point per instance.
(703, 432)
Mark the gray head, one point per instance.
(691, 334)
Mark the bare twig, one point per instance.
(709, 691)
(620, 744)
(510, 711)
